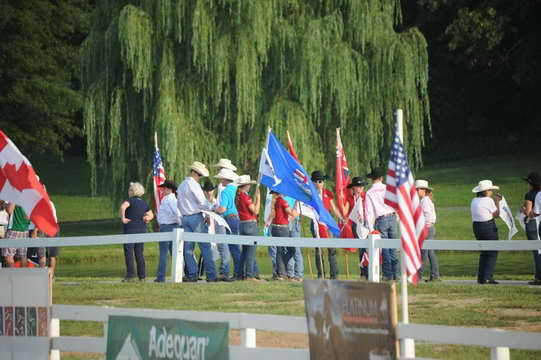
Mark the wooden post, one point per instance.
(177, 265)
(500, 353)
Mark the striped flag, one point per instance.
(20, 185)
(402, 196)
(158, 177)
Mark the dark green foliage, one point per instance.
(39, 42)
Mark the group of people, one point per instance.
(188, 205)
(15, 224)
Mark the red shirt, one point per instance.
(243, 202)
(326, 198)
(280, 214)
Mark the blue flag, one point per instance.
(280, 172)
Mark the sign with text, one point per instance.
(138, 338)
(351, 320)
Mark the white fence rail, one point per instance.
(498, 340)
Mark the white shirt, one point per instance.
(357, 213)
(375, 206)
(168, 212)
(429, 210)
(537, 204)
(482, 209)
(191, 199)
(4, 218)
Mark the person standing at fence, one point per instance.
(248, 209)
(355, 209)
(484, 209)
(169, 218)
(227, 208)
(295, 267)
(429, 211)
(382, 217)
(532, 232)
(225, 250)
(135, 214)
(327, 198)
(4, 218)
(280, 215)
(191, 201)
(17, 229)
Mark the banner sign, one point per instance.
(351, 320)
(138, 338)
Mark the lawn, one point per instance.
(82, 271)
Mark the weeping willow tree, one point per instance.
(210, 76)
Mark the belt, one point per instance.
(386, 215)
(280, 225)
(232, 215)
(248, 221)
(169, 224)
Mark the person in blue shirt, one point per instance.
(227, 208)
(295, 266)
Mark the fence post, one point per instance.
(177, 264)
(248, 338)
(500, 353)
(373, 258)
(54, 331)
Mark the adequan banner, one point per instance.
(137, 338)
(351, 320)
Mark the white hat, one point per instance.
(422, 184)
(244, 180)
(484, 185)
(227, 174)
(225, 164)
(200, 168)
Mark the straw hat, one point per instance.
(199, 168)
(227, 174)
(484, 185)
(422, 184)
(245, 180)
(225, 164)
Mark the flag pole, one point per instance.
(156, 140)
(408, 345)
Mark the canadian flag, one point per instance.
(19, 184)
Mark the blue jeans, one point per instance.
(196, 223)
(431, 256)
(223, 249)
(277, 264)
(295, 266)
(284, 252)
(388, 228)
(234, 249)
(531, 234)
(486, 230)
(247, 258)
(165, 246)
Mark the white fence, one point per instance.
(499, 341)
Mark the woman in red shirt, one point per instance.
(280, 214)
(248, 211)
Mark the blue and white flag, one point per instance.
(280, 172)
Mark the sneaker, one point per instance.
(189, 280)
(295, 279)
(225, 279)
(535, 282)
(158, 280)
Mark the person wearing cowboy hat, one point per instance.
(484, 209)
(425, 195)
(382, 217)
(169, 218)
(327, 197)
(534, 186)
(248, 209)
(355, 211)
(227, 208)
(191, 201)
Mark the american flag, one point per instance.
(158, 176)
(402, 196)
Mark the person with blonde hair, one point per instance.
(135, 214)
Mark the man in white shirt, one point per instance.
(191, 202)
(382, 217)
(4, 218)
(169, 218)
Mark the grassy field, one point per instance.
(89, 275)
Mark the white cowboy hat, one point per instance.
(227, 174)
(422, 184)
(484, 185)
(200, 168)
(244, 180)
(225, 164)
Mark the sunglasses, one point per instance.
(319, 181)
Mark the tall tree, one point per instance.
(39, 60)
(210, 75)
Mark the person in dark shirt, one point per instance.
(534, 186)
(135, 214)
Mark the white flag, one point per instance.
(507, 216)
